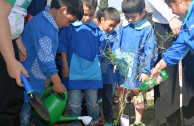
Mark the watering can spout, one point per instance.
(63, 118)
(85, 119)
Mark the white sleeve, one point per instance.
(49, 2)
(163, 9)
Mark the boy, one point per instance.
(108, 19)
(40, 37)
(81, 69)
(137, 49)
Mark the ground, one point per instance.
(148, 116)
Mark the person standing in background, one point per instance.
(35, 7)
(167, 100)
(12, 13)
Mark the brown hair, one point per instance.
(173, 1)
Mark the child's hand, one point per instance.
(143, 77)
(22, 50)
(65, 71)
(59, 88)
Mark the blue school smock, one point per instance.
(106, 42)
(184, 41)
(82, 40)
(137, 51)
(40, 37)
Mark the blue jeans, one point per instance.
(25, 115)
(75, 100)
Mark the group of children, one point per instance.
(86, 68)
(83, 45)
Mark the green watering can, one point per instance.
(56, 105)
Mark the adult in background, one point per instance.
(12, 13)
(167, 94)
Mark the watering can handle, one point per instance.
(26, 84)
(50, 88)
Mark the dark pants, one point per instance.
(107, 95)
(11, 96)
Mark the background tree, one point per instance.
(103, 3)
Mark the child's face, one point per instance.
(107, 25)
(179, 7)
(134, 17)
(88, 14)
(63, 19)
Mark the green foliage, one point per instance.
(150, 104)
(103, 4)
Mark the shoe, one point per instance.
(137, 124)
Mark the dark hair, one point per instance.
(91, 4)
(108, 13)
(133, 6)
(169, 1)
(74, 7)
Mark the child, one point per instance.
(137, 50)
(40, 37)
(81, 69)
(12, 13)
(108, 19)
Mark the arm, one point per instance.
(22, 49)
(65, 71)
(149, 53)
(63, 48)
(163, 9)
(175, 53)
(166, 12)
(45, 49)
(14, 68)
(57, 85)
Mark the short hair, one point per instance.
(108, 13)
(74, 7)
(133, 6)
(91, 4)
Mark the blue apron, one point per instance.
(82, 69)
